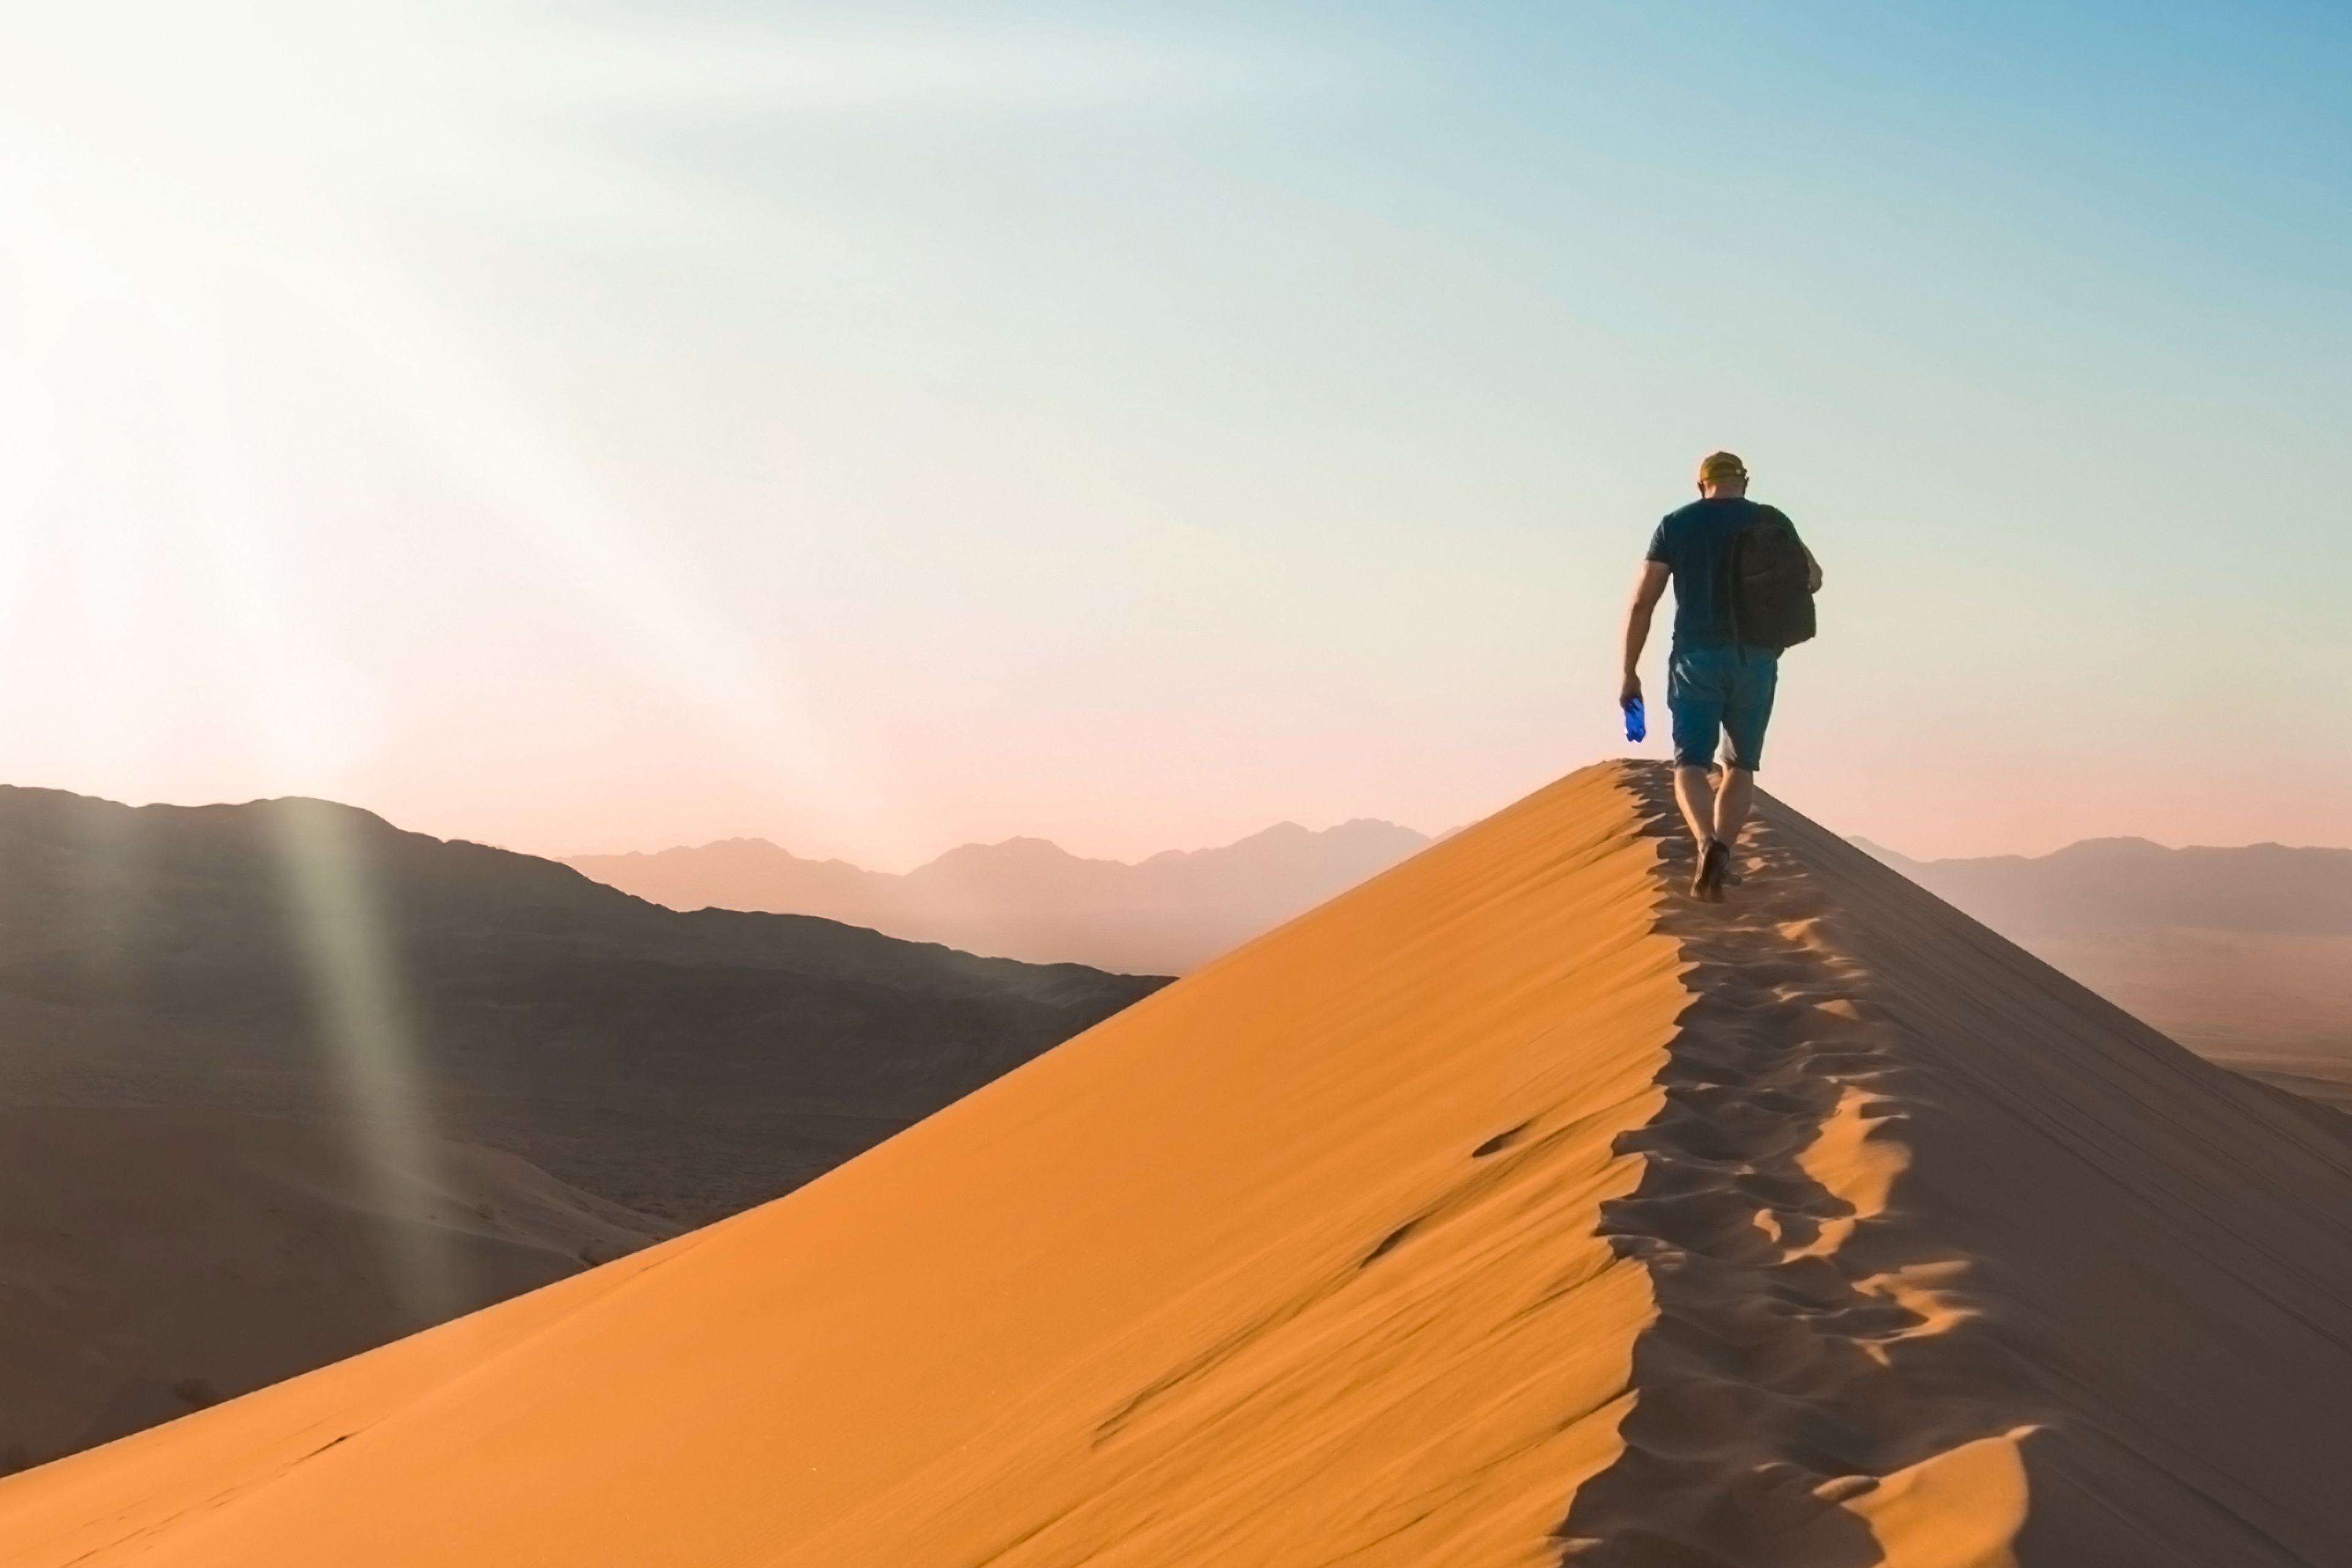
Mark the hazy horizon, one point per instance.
(875, 429)
(1863, 839)
(1014, 839)
(925, 857)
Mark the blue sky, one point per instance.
(876, 427)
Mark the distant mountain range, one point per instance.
(1028, 899)
(2131, 883)
(2243, 954)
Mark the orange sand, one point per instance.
(1508, 1206)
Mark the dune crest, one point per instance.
(1814, 1388)
(1508, 1210)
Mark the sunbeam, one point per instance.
(198, 192)
(335, 904)
(209, 222)
(205, 206)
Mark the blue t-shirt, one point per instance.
(1695, 543)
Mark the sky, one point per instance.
(598, 426)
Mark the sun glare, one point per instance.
(203, 195)
(208, 217)
(201, 207)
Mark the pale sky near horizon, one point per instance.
(598, 426)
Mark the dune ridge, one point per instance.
(1508, 1210)
(1807, 1391)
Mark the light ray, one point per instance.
(227, 172)
(336, 903)
(334, 899)
(196, 196)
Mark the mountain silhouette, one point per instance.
(1511, 1208)
(1029, 899)
(686, 1065)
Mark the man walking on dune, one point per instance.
(1743, 592)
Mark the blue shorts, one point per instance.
(1723, 690)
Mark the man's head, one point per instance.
(1722, 474)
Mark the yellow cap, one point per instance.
(1717, 467)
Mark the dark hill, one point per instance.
(299, 958)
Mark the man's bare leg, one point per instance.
(1694, 792)
(1732, 801)
(1716, 806)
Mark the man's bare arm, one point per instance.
(1647, 591)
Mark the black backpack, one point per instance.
(1771, 583)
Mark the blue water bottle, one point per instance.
(1636, 727)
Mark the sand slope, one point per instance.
(1508, 1208)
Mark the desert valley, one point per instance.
(1508, 1207)
(217, 1134)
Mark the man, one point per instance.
(1717, 687)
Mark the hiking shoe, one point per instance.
(1708, 883)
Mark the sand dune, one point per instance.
(155, 1261)
(1506, 1209)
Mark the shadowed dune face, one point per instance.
(2160, 1252)
(1508, 1210)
